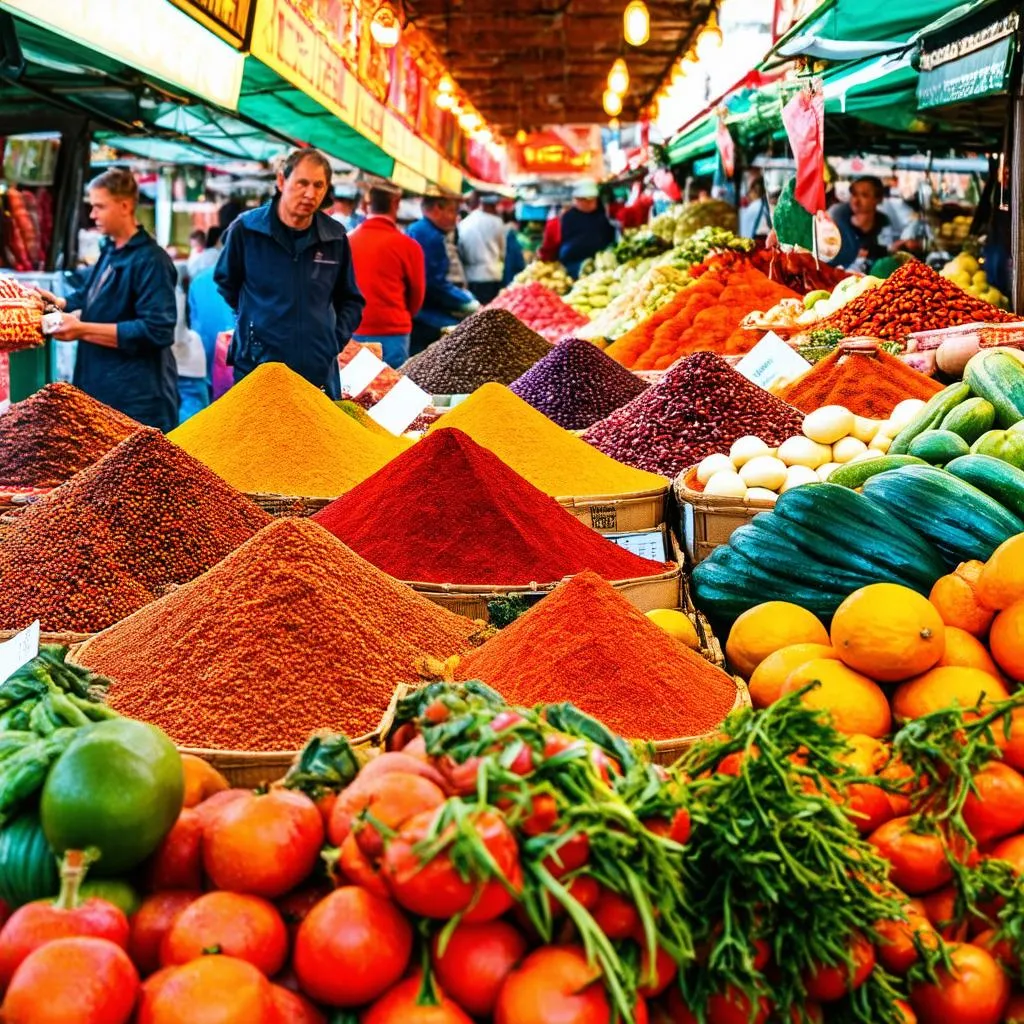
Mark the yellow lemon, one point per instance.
(677, 624)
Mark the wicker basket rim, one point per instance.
(742, 701)
(62, 638)
(271, 496)
(615, 499)
(471, 590)
(713, 502)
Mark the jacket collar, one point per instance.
(264, 219)
(379, 221)
(140, 238)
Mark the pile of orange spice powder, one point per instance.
(587, 644)
(291, 633)
(869, 382)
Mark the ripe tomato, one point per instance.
(351, 948)
(909, 1017)
(896, 949)
(570, 854)
(358, 869)
(997, 808)
(231, 924)
(1001, 950)
(829, 982)
(665, 970)
(678, 1011)
(263, 845)
(212, 988)
(542, 816)
(476, 961)
(293, 1008)
(940, 908)
(390, 799)
(917, 863)
(732, 1007)
(295, 907)
(553, 985)
(436, 889)
(399, 1006)
(975, 993)
(868, 807)
(178, 860)
(1012, 747)
(151, 922)
(1012, 851)
(616, 915)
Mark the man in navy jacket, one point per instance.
(127, 312)
(286, 270)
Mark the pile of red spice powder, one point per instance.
(56, 433)
(868, 382)
(291, 633)
(586, 644)
(111, 539)
(450, 511)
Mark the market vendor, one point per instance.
(585, 230)
(286, 270)
(864, 229)
(448, 299)
(126, 312)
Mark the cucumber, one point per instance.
(28, 868)
(938, 408)
(937, 447)
(996, 478)
(999, 378)
(970, 419)
(853, 474)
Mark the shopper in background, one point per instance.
(863, 227)
(551, 241)
(755, 219)
(345, 209)
(515, 260)
(483, 240)
(201, 254)
(189, 358)
(208, 313)
(126, 312)
(391, 274)
(286, 270)
(447, 299)
(585, 230)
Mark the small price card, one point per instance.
(360, 373)
(645, 543)
(771, 360)
(400, 406)
(19, 650)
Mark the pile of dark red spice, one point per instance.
(450, 511)
(291, 633)
(576, 384)
(586, 644)
(55, 433)
(491, 345)
(111, 539)
(699, 408)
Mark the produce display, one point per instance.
(658, 286)
(21, 316)
(700, 407)
(51, 435)
(552, 276)
(967, 273)
(275, 433)
(798, 270)
(576, 384)
(552, 459)
(489, 346)
(594, 292)
(225, 661)
(540, 309)
(816, 304)
(114, 537)
(685, 220)
(499, 529)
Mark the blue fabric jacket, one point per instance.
(208, 314)
(442, 298)
(132, 287)
(515, 261)
(583, 235)
(295, 295)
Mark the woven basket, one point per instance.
(619, 513)
(669, 751)
(708, 520)
(74, 640)
(282, 505)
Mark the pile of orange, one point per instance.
(892, 653)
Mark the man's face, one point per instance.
(109, 213)
(586, 205)
(302, 194)
(863, 198)
(445, 215)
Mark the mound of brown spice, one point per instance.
(291, 633)
(586, 644)
(55, 433)
(112, 538)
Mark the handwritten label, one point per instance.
(19, 650)
(360, 373)
(400, 406)
(770, 361)
(645, 543)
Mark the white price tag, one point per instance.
(771, 360)
(400, 406)
(360, 373)
(19, 650)
(645, 543)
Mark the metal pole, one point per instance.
(1017, 189)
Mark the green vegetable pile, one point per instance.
(707, 241)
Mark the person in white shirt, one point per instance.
(482, 241)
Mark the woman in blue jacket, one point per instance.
(125, 327)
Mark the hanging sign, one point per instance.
(726, 148)
(804, 118)
(228, 18)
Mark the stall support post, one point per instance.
(164, 214)
(1017, 192)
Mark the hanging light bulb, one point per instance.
(446, 83)
(636, 23)
(521, 137)
(386, 25)
(484, 136)
(614, 124)
(688, 63)
(445, 100)
(469, 121)
(709, 42)
(618, 77)
(612, 103)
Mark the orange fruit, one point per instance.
(888, 632)
(856, 703)
(768, 628)
(955, 596)
(202, 780)
(943, 687)
(1001, 582)
(767, 679)
(867, 754)
(967, 651)
(1006, 641)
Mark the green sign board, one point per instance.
(985, 72)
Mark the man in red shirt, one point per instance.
(391, 274)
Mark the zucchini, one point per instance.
(961, 521)
(970, 419)
(28, 868)
(938, 408)
(998, 479)
(999, 378)
(937, 447)
(853, 474)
